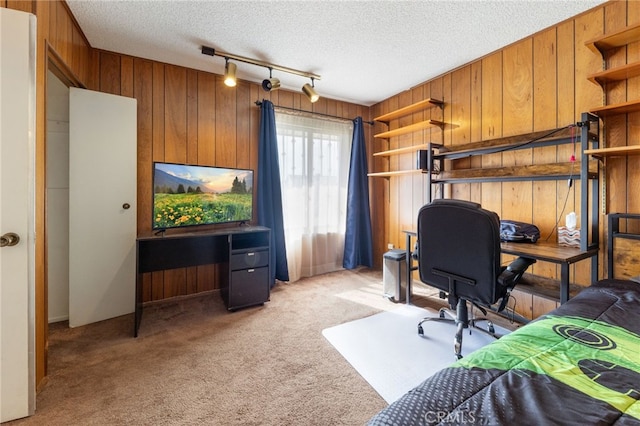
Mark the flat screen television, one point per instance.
(186, 195)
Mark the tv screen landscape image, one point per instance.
(186, 195)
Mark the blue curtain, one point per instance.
(270, 192)
(358, 241)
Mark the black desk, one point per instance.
(246, 249)
(564, 256)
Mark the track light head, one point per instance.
(230, 73)
(310, 92)
(270, 84)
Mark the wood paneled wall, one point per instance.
(189, 116)
(535, 84)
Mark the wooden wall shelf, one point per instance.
(622, 108)
(522, 141)
(615, 74)
(615, 151)
(601, 45)
(555, 171)
(398, 151)
(401, 112)
(410, 129)
(394, 173)
(617, 39)
(415, 127)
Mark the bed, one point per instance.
(579, 364)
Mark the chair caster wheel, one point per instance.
(441, 314)
(420, 330)
(492, 329)
(458, 356)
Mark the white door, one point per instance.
(17, 213)
(102, 206)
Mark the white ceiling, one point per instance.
(365, 51)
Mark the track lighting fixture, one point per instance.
(230, 73)
(308, 89)
(267, 84)
(270, 83)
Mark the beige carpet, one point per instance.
(194, 363)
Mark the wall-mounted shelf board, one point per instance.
(524, 141)
(394, 173)
(622, 108)
(615, 74)
(615, 39)
(614, 151)
(410, 129)
(401, 112)
(555, 171)
(404, 150)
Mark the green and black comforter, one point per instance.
(579, 364)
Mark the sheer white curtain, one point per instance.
(314, 170)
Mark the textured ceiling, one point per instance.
(364, 51)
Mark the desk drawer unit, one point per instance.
(249, 271)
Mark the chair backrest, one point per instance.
(460, 238)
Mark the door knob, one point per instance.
(9, 239)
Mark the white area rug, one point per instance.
(387, 351)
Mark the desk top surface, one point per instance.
(549, 252)
(202, 233)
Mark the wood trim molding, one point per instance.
(57, 66)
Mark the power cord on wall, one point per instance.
(572, 159)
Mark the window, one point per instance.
(314, 171)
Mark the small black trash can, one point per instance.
(394, 273)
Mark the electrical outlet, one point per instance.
(390, 246)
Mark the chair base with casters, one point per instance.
(509, 276)
(461, 318)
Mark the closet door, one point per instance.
(17, 213)
(102, 205)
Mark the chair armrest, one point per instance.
(512, 273)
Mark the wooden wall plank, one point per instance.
(459, 118)
(405, 162)
(492, 125)
(633, 124)
(175, 114)
(616, 129)
(244, 142)
(225, 129)
(126, 81)
(206, 119)
(475, 131)
(23, 5)
(192, 117)
(517, 95)
(110, 73)
(418, 197)
(545, 116)
(143, 92)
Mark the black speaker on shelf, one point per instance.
(421, 159)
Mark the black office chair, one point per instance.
(458, 252)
